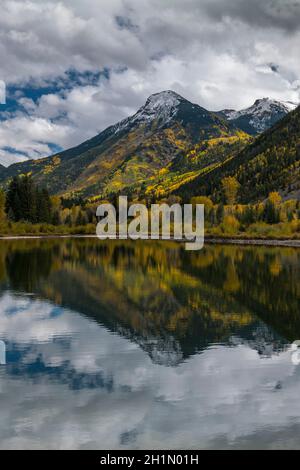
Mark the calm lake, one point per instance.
(145, 345)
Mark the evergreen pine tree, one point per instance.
(24, 201)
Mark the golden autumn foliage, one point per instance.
(230, 188)
(275, 198)
(230, 224)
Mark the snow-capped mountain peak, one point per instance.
(160, 107)
(262, 106)
(261, 115)
(167, 98)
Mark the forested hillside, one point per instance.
(270, 163)
(129, 155)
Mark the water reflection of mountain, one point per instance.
(171, 302)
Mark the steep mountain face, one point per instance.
(271, 163)
(262, 115)
(130, 153)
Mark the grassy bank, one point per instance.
(257, 231)
(27, 229)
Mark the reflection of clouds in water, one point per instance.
(223, 396)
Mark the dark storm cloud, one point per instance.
(283, 14)
(125, 22)
(274, 67)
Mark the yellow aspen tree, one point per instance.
(230, 188)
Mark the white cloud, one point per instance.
(41, 39)
(2, 92)
(30, 138)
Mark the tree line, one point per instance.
(25, 201)
(26, 208)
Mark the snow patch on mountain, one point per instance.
(263, 113)
(160, 107)
(261, 107)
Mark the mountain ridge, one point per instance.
(259, 117)
(130, 152)
(167, 144)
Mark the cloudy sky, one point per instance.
(73, 67)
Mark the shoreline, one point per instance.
(292, 243)
(254, 241)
